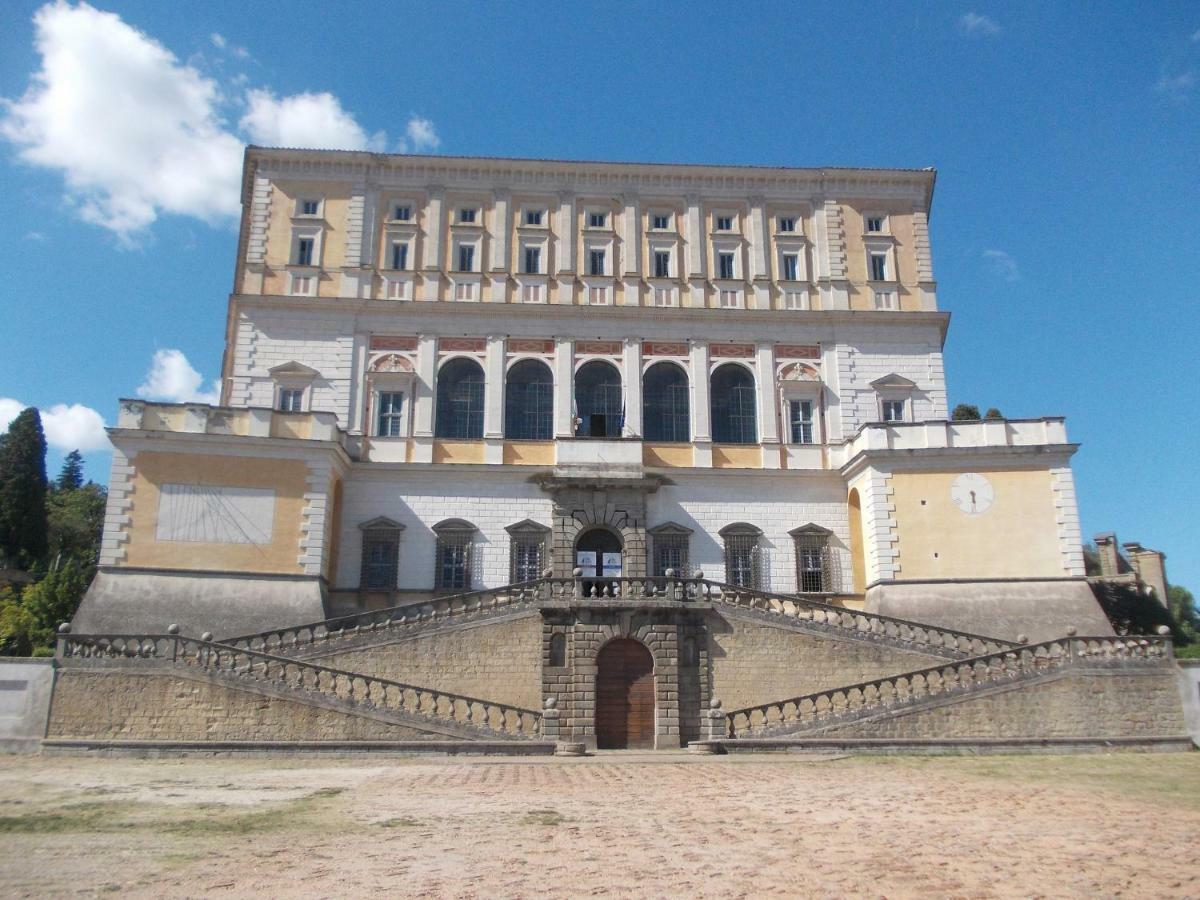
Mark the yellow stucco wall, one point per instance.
(458, 451)
(736, 457)
(284, 194)
(672, 455)
(1016, 537)
(529, 453)
(286, 477)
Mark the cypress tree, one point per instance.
(23, 529)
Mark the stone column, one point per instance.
(633, 387)
(564, 380)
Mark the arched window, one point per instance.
(452, 569)
(733, 406)
(380, 554)
(529, 402)
(665, 403)
(459, 400)
(599, 402)
(742, 557)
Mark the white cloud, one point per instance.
(67, 428)
(975, 24)
(34, 236)
(1177, 87)
(305, 120)
(420, 136)
(1002, 265)
(133, 131)
(1196, 36)
(136, 133)
(172, 379)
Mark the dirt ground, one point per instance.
(643, 825)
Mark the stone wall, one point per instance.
(498, 662)
(754, 664)
(1074, 705)
(124, 705)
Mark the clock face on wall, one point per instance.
(972, 493)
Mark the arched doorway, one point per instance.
(598, 553)
(624, 696)
(599, 401)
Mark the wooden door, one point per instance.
(624, 696)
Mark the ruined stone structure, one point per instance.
(517, 452)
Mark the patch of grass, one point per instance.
(76, 817)
(325, 792)
(543, 817)
(401, 822)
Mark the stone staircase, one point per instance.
(814, 713)
(438, 713)
(793, 611)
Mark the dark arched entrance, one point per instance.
(624, 696)
(598, 553)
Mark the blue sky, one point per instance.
(1066, 138)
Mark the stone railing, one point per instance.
(858, 701)
(442, 611)
(480, 717)
(853, 623)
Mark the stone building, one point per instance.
(632, 392)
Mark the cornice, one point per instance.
(590, 177)
(928, 458)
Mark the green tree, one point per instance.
(76, 520)
(1183, 609)
(17, 625)
(993, 413)
(965, 412)
(23, 531)
(71, 476)
(54, 599)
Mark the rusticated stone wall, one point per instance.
(753, 663)
(123, 705)
(498, 662)
(1076, 704)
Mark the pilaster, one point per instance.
(768, 413)
(633, 387)
(564, 234)
(435, 228)
(501, 230)
(564, 408)
(424, 400)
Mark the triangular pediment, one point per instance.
(810, 528)
(893, 381)
(380, 523)
(293, 369)
(527, 526)
(669, 528)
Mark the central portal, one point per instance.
(624, 696)
(598, 554)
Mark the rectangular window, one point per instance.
(800, 416)
(791, 267)
(380, 553)
(596, 262)
(464, 291)
(787, 224)
(466, 257)
(302, 285)
(724, 223)
(598, 296)
(796, 300)
(662, 264)
(874, 224)
(310, 207)
(725, 266)
(670, 552)
(453, 562)
(291, 399)
(304, 251)
(879, 267)
(400, 255)
(886, 300)
(402, 213)
(660, 222)
(397, 290)
(467, 216)
(731, 299)
(389, 422)
(741, 560)
(814, 569)
(893, 410)
(526, 563)
(597, 219)
(533, 217)
(664, 296)
(531, 293)
(533, 260)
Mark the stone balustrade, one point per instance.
(201, 418)
(943, 434)
(483, 717)
(839, 705)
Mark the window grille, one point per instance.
(525, 559)
(670, 551)
(529, 402)
(665, 398)
(380, 555)
(389, 422)
(453, 555)
(599, 400)
(460, 400)
(734, 419)
(815, 571)
(742, 557)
